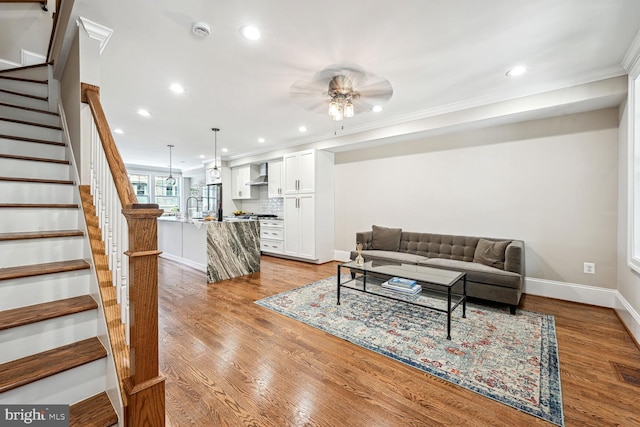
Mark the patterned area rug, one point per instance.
(511, 359)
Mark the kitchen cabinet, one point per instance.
(240, 177)
(299, 172)
(300, 231)
(275, 178)
(308, 206)
(272, 236)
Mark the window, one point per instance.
(140, 184)
(167, 197)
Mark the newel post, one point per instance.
(145, 386)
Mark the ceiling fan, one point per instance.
(342, 91)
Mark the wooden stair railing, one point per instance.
(137, 279)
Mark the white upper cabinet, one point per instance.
(275, 178)
(240, 177)
(300, 172)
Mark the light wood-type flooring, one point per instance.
(230, 362)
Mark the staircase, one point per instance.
(50, 352)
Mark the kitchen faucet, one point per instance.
(197, 201)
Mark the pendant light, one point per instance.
(171, 181)
(215, 172)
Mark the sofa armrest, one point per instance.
(514, 257)
(364, 237)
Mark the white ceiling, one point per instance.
(440, 56)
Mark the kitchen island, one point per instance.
(223, 249)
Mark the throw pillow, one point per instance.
(385, 239)
(491, 253)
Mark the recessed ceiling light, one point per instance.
(250, 32)
(225, 150)
(302, 128)
(144, 113)
(516, 71)
(176, 88)
(201, 156)
(377, 109)
(261, 140)
(118, 131)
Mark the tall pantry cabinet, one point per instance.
(308, 179)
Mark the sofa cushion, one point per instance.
(385, 239)
(389, 255)
(491, 253)
(477, 272)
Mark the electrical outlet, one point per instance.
(590, 268)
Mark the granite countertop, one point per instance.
(201, 221)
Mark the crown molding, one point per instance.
(631, 61)
(96, 31)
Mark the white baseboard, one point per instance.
(199, 267)
(629, 317)
(593, 295)
(342, 256)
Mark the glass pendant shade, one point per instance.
(338, 115)
(171, 181)
(348, 109)
(333, 108)
(215, 173)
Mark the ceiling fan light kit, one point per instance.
(348, 89)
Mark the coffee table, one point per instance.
(436, 283)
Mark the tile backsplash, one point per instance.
(264, 204)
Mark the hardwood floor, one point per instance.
(230, 362)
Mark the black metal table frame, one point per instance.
(449, 310)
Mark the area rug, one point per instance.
(511, 359)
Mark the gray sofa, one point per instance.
(494, 267)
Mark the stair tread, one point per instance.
(40, 205)
(40, 269)
(34, 159)
(95, 411)
(12, 92)
(47, 310)
(36, 180)
(40, 234)
(24, 122)
(24, 67)
(22, 79)
(26, 139)
(35, 367)
(36, 110)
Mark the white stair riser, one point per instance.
(33, 290)
(38, 251)
(29, 116)
(73, 385)
(28, 88)
(31, 192)
(30, 131)
(34, 73)
(24, 101)
(15, 168)
(37, 337)
(34, 149)
(24, 219)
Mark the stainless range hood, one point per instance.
(261, 179)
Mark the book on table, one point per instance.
(405, 288)
(399, 282)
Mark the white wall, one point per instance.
(550, 182)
